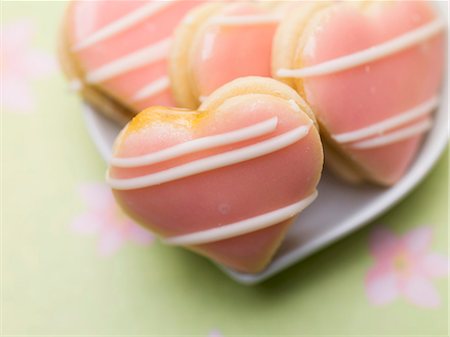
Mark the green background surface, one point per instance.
(55, 283)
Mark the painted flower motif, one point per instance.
(404, 267)
(215, 333)
(107, 220)
(21, 64)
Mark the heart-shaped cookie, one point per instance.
(218, 43)
(371, 71)
(115, 52)
(226, 180)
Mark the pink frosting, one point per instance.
(226, 195)
(359, 97)
(224, 53)
(87, 17)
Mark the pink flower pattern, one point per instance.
(21, 64)
(215, 333)
(404, 267)
(107, 220)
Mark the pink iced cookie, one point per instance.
(371, 72)
(115, 52)
(218, 43)
(226, 180)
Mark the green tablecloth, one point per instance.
(72, 265)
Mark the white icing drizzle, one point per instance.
(242, 227)
(294, 105)
(142, 57)
(122, 24)
(199, 144)
(368, 55)
(396, 136)
(202, 98)
(153, 89)
(390, 123)
(245, 20)
(212, 162)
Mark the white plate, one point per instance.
(347, 207)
